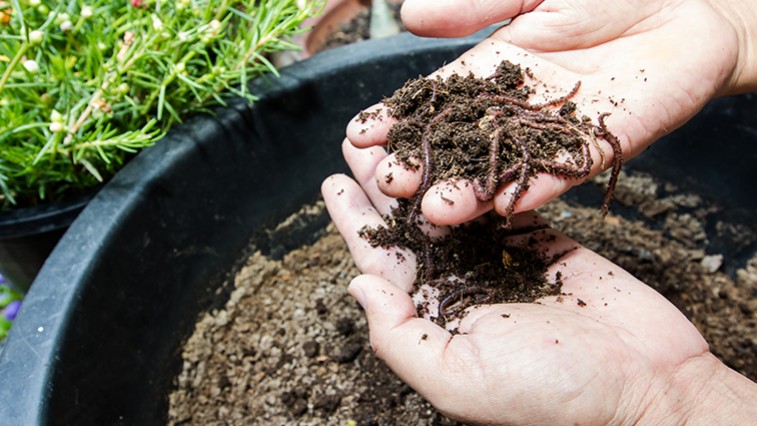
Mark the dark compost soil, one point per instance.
(489, 133)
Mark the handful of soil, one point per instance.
(486, 132)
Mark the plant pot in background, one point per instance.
(336, 13)
(336, 17)
(98, 340)
(28, 235)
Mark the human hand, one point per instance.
(610, 351)
(652, 65)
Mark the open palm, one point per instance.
(652, 65)
(602, 353)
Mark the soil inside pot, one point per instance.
(291, 346)
(358, 28)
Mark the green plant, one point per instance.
(86, 84)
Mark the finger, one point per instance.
(452, 203)
(370, 126)
(363, 162)
(397, 180)
(458, 18)
(412, 347)
(591, 283)
(555, 28)
(541, 189)
(351, 210)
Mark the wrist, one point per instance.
(742, 19)
(703, 391)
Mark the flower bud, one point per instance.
(61, 18)
(57, 127)
(123, 88)
(86, 12)
(36, 37)
(210, 31)
(56, 117)
(157, 24)
(32, 66)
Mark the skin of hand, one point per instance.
(611, 351)
(652, 65)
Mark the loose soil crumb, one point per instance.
(291, 346)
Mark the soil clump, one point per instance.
(487, 132)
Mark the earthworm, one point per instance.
(445, 310)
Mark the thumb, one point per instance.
(458, 18)
(412, 347)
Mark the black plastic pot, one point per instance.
(28, 235)
(98, 338)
